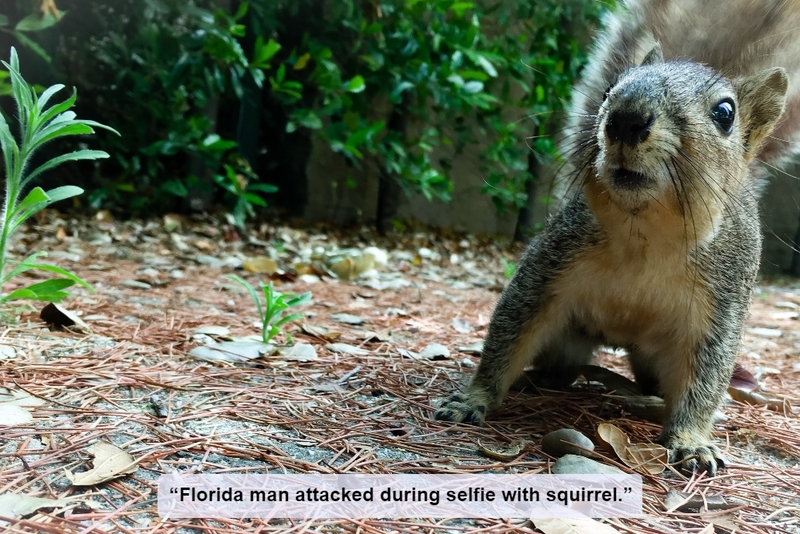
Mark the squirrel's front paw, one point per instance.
(695, 456)
(460, 407)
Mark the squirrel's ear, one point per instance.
(762, 98)
(655, 55)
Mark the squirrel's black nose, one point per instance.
(628, 127)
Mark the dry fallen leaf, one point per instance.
(109, 462)
(649, 457)
(504, 453)
(757, 399)
(573, 526)
(347, 318)
(12, 407)
(344, 348)
(211, 330)
(13, 415)
(57, 315)
(260, 265)
(301, 352)
(684, 502)
(743, 379)
(232, 351)
(18, 505)
(320, 332)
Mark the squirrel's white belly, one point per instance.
(652, 302)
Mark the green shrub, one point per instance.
(383, 82)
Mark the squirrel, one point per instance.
(656, 247)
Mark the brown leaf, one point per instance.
(503, 453)
(743, 379)
(647, 457)
(57, 315)
(684, 502)
(613, 439)
(757, 399)
(320, 332)
(109, 462)
(260, 265)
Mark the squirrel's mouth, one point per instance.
(629, 180)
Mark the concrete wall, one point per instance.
(780, 214)
(330, 199)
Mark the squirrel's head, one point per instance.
(676, 133)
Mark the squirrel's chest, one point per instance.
(636, 297)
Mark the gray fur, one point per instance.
(656, 248)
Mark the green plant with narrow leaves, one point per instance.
(275, 304)
(38, 124)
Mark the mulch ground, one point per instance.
(132, 382)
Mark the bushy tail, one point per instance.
(734, 37)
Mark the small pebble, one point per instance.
(572, 464)
(564, 441)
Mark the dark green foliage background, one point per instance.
(217, 100)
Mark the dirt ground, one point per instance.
(131, 381)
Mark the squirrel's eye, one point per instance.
(723, 114)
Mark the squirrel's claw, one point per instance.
(460, 407)
(706, 458)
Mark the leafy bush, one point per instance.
(158, 71)
(38, 124)
(383, 82)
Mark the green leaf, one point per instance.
(263, 188)
(287, 319)
(49, 92)
(460, 7)
(64, 192)
(57, 109)
(72, 156)
(175, 187)
(263, 53)
(486, 65)
(62, 272)
(36, 195)
(356, 84)
(24, 265)
(3, 20)
(46, 291)
(36, 21)
(27, 294)
(250, 289)
(473, 87)
(33, 45)
(298, 300)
